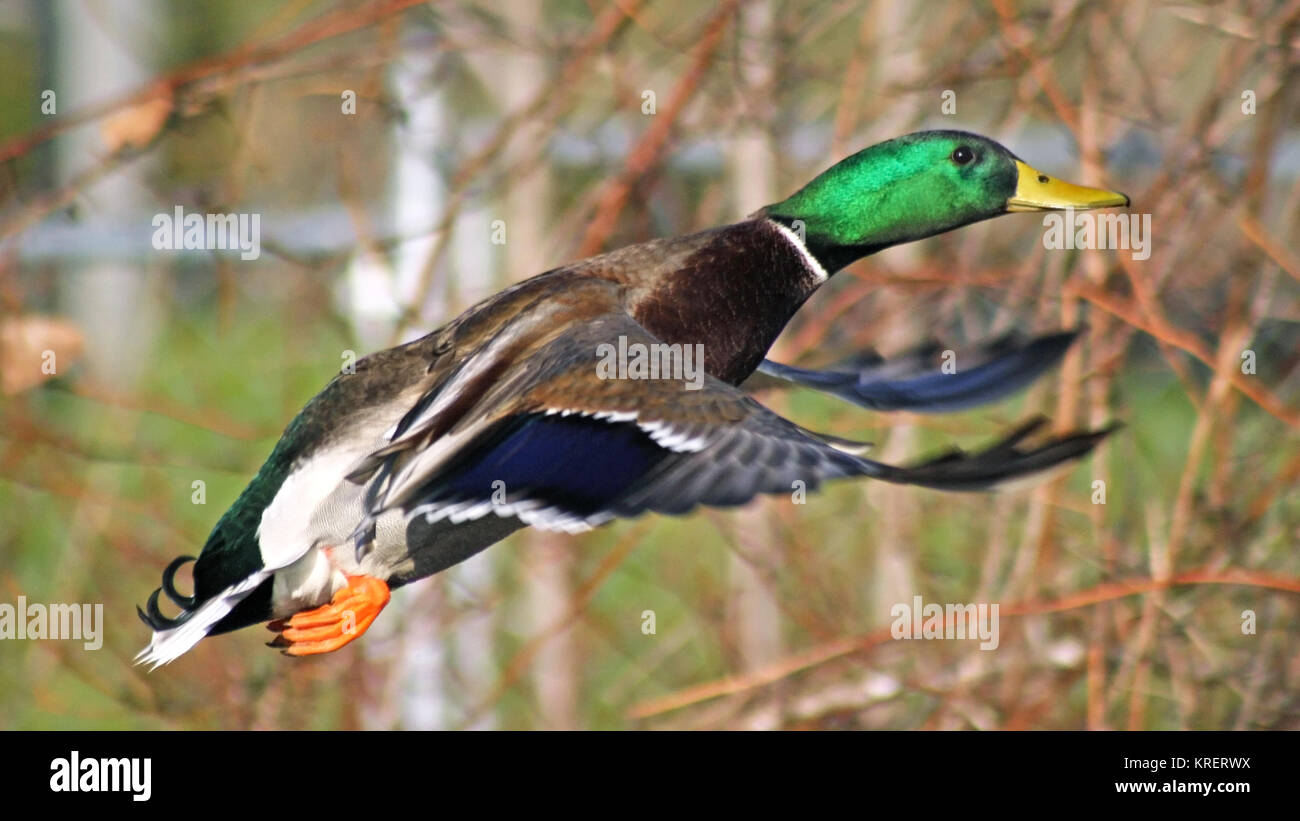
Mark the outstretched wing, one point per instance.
(918, 382)
(562, 448)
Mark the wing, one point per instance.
(917, 381)
(561, 448)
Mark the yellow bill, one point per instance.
(1035, 191)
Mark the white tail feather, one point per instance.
(168, 645)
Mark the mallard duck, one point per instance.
(432, 451)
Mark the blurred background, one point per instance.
(380, 142)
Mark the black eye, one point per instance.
(962, 155)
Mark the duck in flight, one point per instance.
(431, 451)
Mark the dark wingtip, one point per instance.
(915, 381)
(1113, 426)
(1004, 461)
(1057, 343)
(1023, 431)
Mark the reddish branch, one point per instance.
(310, 33)
(646, 152)
(853, 644)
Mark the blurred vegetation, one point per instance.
(1127, 614)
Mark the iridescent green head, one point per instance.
(919, 185)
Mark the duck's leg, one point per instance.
(329, 627)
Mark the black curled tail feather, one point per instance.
(152, 616)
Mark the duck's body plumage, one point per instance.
(434, 450)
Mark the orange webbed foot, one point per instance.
(329, 627)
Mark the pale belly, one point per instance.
(402, 552)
